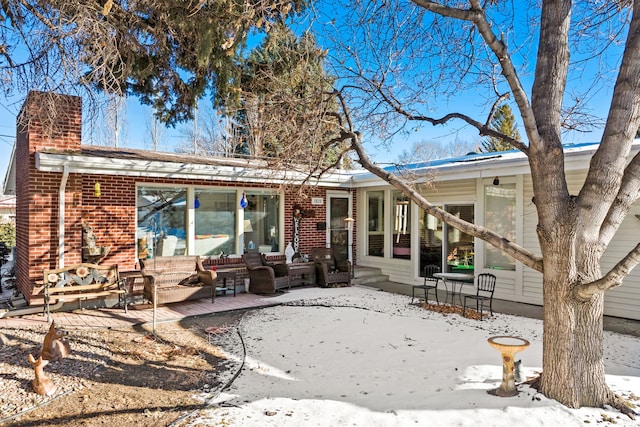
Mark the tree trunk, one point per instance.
(572, 367)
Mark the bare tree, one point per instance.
(423, 151)
(213, 136)
(115, 125)
(399, 61)
(155, 132)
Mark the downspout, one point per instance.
(61, 210)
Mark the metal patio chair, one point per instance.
(430, 282)
(485, 285)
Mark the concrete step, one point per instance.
(367, 275)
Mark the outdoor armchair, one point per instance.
(265, 277)
(329, 270)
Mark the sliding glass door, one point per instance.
(445, 246)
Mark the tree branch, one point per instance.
(628, 194)
(494, 107)
(521, 254)
(483, 128)
(609, 182)
(477, 17)
(612, 279)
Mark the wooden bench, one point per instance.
(177, 278)
(81, 282)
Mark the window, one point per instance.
(500, 208)
(261, 222)
(163, 215)
(460, 255)
(430, 241)
(375, 218)
(215, 222)
(161, 221)
(401, 226)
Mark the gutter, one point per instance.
(83, 164)
(61, 210)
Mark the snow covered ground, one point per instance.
(361, 357)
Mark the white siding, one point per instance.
(623, 301)
(452, 191)
(532, 280)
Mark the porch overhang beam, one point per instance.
(50, 162)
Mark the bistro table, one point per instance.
(460, 279)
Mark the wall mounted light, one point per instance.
(243, 201)
(496, 181)
(349, 223)
(196, 202)
(96, 189)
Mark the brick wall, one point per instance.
(54, 122)
(112, 216)
(309, 236)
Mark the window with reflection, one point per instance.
(401, 226)
(161, 221)
(431, 232)
(261, 222)
(375, 223)
(500, 208)
(460, 252)
(215, 222)
(338, 232)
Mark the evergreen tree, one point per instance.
(169, 53)
(504, 122)
(8, 234)
(286, 110)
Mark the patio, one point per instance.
(116, 317)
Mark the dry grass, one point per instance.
(452, 309)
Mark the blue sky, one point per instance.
(136, 134)
(138, 117)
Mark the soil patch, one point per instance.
(122, 376)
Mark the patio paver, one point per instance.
(116, 317)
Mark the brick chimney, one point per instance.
(47, 121)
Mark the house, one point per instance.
(7, 209)
(491, 189)
(141, 203)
